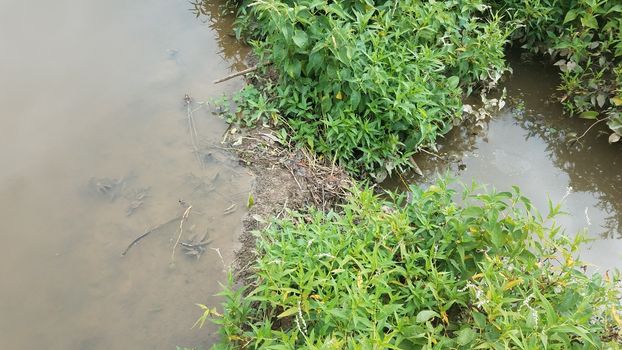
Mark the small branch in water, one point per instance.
(147, 233)
(217, 250)
(586, 131)
(243, 72)
(431, 153)
(181, 231)
(192, 129)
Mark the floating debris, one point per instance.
(137, 199)
(195, 248)
(133, 206)
(202, 185)
(107, 187)
(232, 208)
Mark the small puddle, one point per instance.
(525, 145)
(98, 150)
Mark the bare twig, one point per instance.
(295, 179)
(230, 209)
(217, 250)
(181, 230)
(192, 129)
(243, 72)
(147, 233)
(431, 153)
(586, 131)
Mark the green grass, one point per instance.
(420, 271)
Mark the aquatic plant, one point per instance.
(419, 271)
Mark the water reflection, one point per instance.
(220, 18)
(527, 145)
(592, 164)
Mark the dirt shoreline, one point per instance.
(285, 178)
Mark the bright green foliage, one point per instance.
(420, 272)
(585, 39)
(252, 107)
(368, 83)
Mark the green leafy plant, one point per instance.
(250, 107)
(420, 271)
(368, 83)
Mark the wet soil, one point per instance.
(285, 178)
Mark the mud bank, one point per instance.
(284, 179)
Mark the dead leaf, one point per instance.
(601, 99)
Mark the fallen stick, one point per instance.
(586, 131)
(192, 129)
(181, 231)
(194, 245)
(243, 72)
(147, 233)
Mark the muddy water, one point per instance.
(526, 145)
(95, 150)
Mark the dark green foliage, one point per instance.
(421, 272)
(369, 83)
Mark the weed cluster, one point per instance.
(420, 272)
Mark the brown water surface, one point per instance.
(526, 145)
(95, 150)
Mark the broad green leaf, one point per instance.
(601, 100)
(426, 315)
(576, 330)
(616, 8)
(453, 82)
(589, 115)
(300, 38)
(355, 99)
(570, 16)
(465, 336)
(588, 20)
(288, 312)
(473, 212)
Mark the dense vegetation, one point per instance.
(368, 83)
(420, 271)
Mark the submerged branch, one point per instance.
(243, 72)
(587, 130)
(181, 231)
(148, 233)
